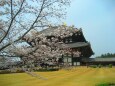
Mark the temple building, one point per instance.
(78, 49)
(76, 45)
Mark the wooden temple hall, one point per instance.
(76, 46)
(79, 50)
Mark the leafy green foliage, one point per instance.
(106, 84)
(99, 65)
(93, 66)
(9, 71)
(46, 70)
(110, 65)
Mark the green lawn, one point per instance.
(79, 76)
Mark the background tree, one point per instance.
(107, 55)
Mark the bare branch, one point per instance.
(26, 31)
(12, 21)
(8, 56)
(11, 9)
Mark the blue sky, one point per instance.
(97, 20)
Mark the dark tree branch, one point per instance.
(50, 4)
(12, 22)
(11, 10)
(35, 19)
(8, 56)
(31, 27)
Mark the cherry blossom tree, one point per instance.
(20, 21)
(45, 45)
(19, 17)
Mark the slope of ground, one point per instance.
(79, 76)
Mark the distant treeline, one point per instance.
(106, 55)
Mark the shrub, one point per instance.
(19, 71)
(46, 69)
(110, 65)
(99, 65)
(93, 66)
(11, 71)
(4, 72)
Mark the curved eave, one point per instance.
(91, 49)
(89, 45)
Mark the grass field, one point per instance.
(79, 76)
